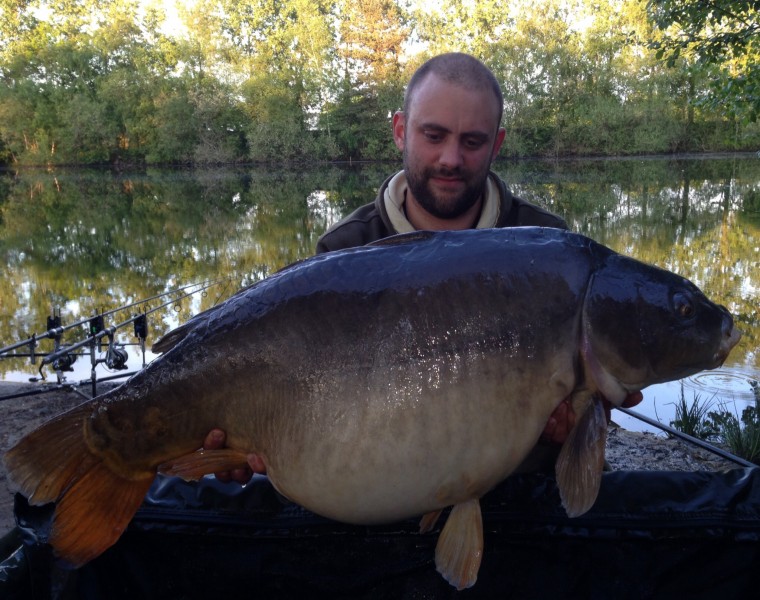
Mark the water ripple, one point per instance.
(725, 383)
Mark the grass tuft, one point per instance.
(740, 433)
(692, 419)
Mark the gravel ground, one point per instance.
(626, 450)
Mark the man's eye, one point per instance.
(433, 137)
(473, 144)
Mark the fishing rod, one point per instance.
(686, 437)
(115, 356)
(56, 330)
(63, 356)
(110, 331)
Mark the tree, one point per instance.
(372, 37)
(723, 34)
(87, 81)
(369, 88)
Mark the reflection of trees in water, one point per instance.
(104, 240)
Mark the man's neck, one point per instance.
(423, 220)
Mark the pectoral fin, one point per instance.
(460, 546)
(581, 461)
(428, 521)
(203, 462)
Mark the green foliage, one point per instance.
(282, 141)
(6, 156)
(175, 135)
(725, 35)
(741, 434)
(92, 82)
(712, 30)
(360, 123)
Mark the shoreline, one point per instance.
(128, 168)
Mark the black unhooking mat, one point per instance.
(649, 535)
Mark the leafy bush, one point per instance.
(742, 434)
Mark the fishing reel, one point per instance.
(64, 362)
(116, 358)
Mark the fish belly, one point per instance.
(409, 449)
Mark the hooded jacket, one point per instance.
(384, 217)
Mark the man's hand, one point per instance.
(215, 440)
(562, 420)
(630, 401)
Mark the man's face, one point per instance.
(448, 140)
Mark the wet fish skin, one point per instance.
(386, 381)
(676, 325)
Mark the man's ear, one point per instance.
(399, 129)
(500, 134)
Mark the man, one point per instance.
(449, 133)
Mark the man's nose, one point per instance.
(451, 154)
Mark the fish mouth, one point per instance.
(731, 337)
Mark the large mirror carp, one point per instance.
(383, 382)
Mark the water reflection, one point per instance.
(86, 241)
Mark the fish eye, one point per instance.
(683, 304)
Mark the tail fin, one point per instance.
(94, 504)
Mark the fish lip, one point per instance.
(726, 345)
(718, 359)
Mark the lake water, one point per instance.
(73, 242)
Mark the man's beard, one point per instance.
(449, 207)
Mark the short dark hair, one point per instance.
(460, 69)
